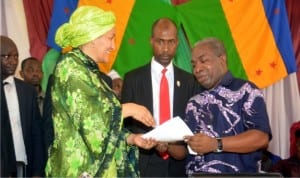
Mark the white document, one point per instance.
(172, 130)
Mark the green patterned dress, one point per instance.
(89, 133)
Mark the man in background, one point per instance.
(31, 72)
(22, 116)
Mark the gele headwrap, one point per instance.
(86, 24)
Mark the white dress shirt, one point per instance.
(156, 75)
(15, 120)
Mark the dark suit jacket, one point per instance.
(8, 158)
(137, 88)
(31, 127)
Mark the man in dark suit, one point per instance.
(23, 115)
(142, 86)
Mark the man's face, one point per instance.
(32, 72)
(9, 60)
(208, 68)
(164, 43)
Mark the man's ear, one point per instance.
(151, 41)
(224, 59)
(21, 73)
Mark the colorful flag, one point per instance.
(256, 35)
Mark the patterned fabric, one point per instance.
(89, 134)
(231, 108)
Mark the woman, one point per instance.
(89, 134)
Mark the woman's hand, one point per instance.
(138, 112)
(136, 139)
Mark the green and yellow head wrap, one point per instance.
(86, 24)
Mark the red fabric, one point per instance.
(292, 7)
(164, 104)
(295, 126)
(38, 15)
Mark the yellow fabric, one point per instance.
(252, 22)
(86, 24)
(122, 15)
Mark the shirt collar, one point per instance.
(157, 67)
(227, 79)
(9, 80)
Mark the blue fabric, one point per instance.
(278, 20)
(61, 13)
(231, 108)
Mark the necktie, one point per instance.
(164, 104)
(164, 98)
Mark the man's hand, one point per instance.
(161, 147)
(201, 143)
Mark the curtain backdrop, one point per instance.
(38, 14)
(293, 12)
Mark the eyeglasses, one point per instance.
(7, 56)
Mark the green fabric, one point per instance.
(86, 24)
(89, 133)
(207, 19)
(48, 65)
(183, 54)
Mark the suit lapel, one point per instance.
(148, 88)
(22, 103)
(177, 88)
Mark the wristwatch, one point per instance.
(220, 145)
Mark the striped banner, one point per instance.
(255, 34)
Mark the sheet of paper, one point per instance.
(172, 130)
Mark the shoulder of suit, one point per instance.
(181, 71)
(23, 85)
(139, 70)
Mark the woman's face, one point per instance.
(104, 45)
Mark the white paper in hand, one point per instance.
(172, 130)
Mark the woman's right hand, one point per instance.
(138, 140)
(138, 112)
